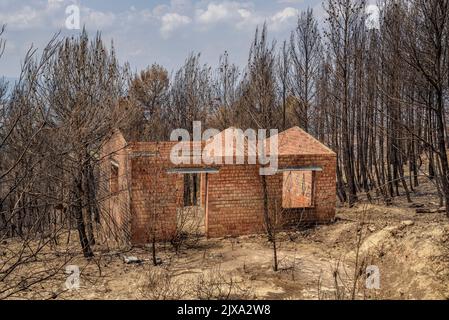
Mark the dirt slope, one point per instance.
(409, 249)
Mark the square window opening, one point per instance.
(298, 189)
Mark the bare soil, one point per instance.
(410, 250)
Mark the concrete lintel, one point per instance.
(192, 170)
(311, 168)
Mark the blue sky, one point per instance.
(147, 31)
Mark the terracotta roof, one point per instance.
(293, 141)
(220, 138)
(297, 141)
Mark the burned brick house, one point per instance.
(146, 189)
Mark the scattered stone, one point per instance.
(427, 210)
(416, 205)
(372, 228)
(408, 223)
(131, 260)
(217, 256)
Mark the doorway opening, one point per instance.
(192, 217)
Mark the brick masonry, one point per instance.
(115, 206)
(149, 196)
(235, 197)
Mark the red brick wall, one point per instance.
(150, 196)
(235, 197)
(235, 201)
(155, 194)
(324, 197)
(115, 204)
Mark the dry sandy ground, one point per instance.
(410, 250)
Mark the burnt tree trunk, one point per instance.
(80, 224)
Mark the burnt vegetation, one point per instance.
(377, 96)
